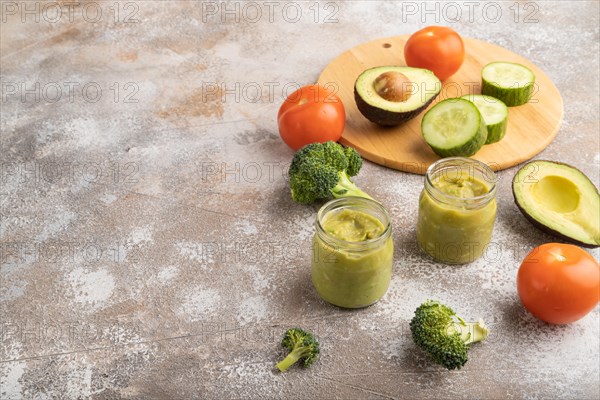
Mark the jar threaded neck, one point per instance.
(454, 167)
(367, 206)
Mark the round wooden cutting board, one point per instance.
(531, 127)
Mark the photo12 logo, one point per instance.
(251, 251)
(429, 12)
(261, 92)
(249, 172)
(32, 331)
(58, 251)
(269, 11)
(53, 92)
(69, 11)
(48, 173)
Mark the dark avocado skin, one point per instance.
(540, 225)
(384, 117)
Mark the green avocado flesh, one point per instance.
(560, 200)
(425, 88)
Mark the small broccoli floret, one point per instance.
(335, 155)
(445, 336)
(321, 170)
(354, 161)
(303, 347)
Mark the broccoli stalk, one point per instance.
(445, 336)
(292, 358)
(322, 170)
(345, 187)
(303, 347)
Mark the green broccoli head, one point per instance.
(311, 179)
(335, 155)
(443, 335)
(321, 170)
(354, 161)
(303, 347)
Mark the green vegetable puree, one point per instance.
(461, 186)
(454, 233)
(353, 226)
(346, 270)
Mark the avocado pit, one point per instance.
(392, 95)
(393, 86)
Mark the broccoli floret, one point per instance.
(303, 347)
(354, 161)
(321, 170)
(445, 336)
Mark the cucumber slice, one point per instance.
(494, 113)
(509, 82)
(454, 127)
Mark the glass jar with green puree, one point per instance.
(457, 210)
(352, 252)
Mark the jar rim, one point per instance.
(460, 161)
(364, 204)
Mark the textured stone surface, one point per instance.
(136, 263)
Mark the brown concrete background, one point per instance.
(137, 264)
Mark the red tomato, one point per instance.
(559, 283)
(436, 48)
(311, 114)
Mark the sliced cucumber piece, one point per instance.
(454, 127)
(494, 113)
(509, 82)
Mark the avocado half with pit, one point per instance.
(559, 199)
(391, 95)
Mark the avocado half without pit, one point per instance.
(559, 199)
(391, 95)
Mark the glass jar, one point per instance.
(352, 252)
(457, 210)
